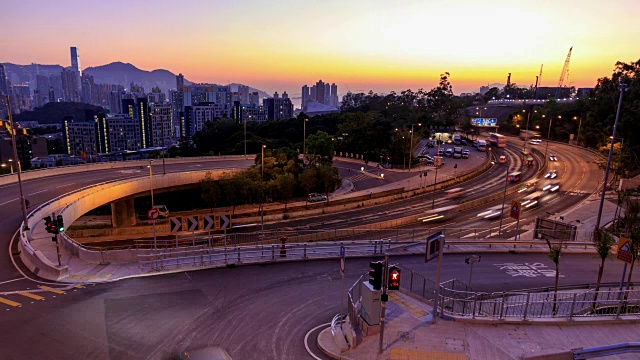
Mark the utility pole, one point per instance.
(613, 139)
(383, 299)
(18, 163)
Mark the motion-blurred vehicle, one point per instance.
(455, 193)
(552, 157)
(551, 187)
(438, 215)
(529, 162)
(514, 177)
(491, 213)
(532, 200)
(552, 174)
(502, 159)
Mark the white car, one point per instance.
(552, 157)
(551, 188)
(552, 174)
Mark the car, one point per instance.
(465, 154)
(552, 174)
(440, 152)
(491, 213)
(552, 157)
(426, 159)
(448, 152)
(551, 187)
(314, 197)
(535, 141)
(463, 142)
(502, 159)
(430, 143)
(529, 162)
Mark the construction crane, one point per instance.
(538, 81)
(565, 72)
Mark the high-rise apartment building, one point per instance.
(160, 127)
(70, 88)
(4, 83)
(305, 95)
(254, 98)
(327, 93)
(278, 107)
(334, 95)
(320, 92)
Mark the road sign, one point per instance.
(176, 224)
(433, 245)
(225, 221)
(473, 259)
(624, 250)
(515, 209)
(554, 230)
(209, 222)
(192, 223)
(153, 214)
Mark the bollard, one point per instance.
(238, 249)
(475, 302)
(273, 253)
(305, 251)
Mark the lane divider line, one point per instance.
(55, 291)
(30, 295)
(9, 302)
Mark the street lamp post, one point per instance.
(546, 149)
(411, 144)
(304, 141)
(262, 201)
(504, 198)
(262, 166)
(435, 178)
(244, 121)
(155, 245)
(526, 134)
(15, 156)
(579, 126)
(613, 138)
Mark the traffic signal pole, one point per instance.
(385, 276)
(55, 238)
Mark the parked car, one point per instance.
(463, 142)
(440, 152)
(314, 197)
(465, 154)
(448, 152)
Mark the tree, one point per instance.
(602, 241)
(320, 148)
(555, 251)
(285, 184)
(210, 190)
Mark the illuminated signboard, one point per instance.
(485, 122)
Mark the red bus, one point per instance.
(498, 140)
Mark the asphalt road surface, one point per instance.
(252, 312)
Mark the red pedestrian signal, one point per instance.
(394, 278)
(455, 166)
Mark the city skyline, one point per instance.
(389, 47)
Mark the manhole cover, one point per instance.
(456, 345)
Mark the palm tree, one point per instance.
(602, 241)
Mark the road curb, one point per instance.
(326, 344)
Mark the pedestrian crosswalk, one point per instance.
(361, 176)
(16, 299)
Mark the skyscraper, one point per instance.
(320, 92)
(334, 95)
(75, 61)
(305, 96)
(327, 94)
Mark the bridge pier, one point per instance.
(123, 213)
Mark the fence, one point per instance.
(417, 284)
(527, 306)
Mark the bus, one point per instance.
(528, 135)
(498, 140)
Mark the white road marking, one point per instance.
(6, 202)
(8, 281)
(38, 192)
(57, 187)
(306, 338)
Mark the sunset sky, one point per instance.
(358, 44)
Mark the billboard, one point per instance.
(554, 230)
(484, 122)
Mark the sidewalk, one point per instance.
(409, 335)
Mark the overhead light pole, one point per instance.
(262, 166)
(622, 87)
(15, 156)
(411, 144)
(546, 149)
(579, 126)
(155, 243)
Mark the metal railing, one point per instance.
(527, 306)
(417, 284)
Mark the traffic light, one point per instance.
(48, 224)
(425, 173)
(59, 224)
(394, 278)
(375, 274)
(455, 166)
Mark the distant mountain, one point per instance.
(119, 73)
(116, 73)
